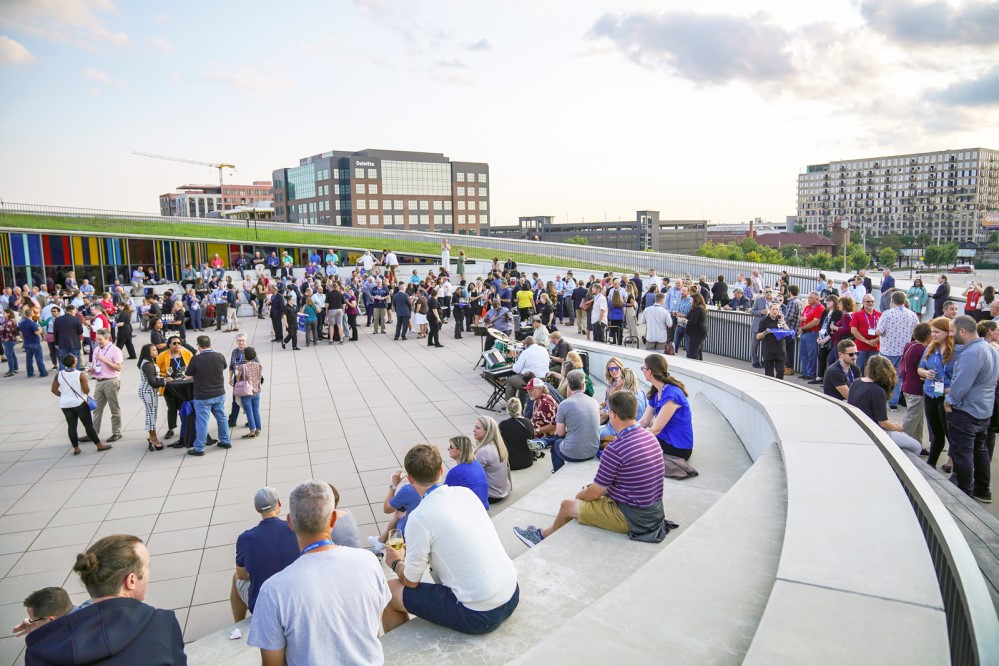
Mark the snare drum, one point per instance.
(501, 347)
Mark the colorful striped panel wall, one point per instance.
(56, 250)
(26, 249)
(86, 251)
(114, 251)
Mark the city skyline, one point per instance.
(586, 110)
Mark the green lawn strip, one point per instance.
(236, 234)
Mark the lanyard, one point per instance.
(871, 319)
(432, 489)
(627, 430)
(317, 544)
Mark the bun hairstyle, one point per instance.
(105, 565)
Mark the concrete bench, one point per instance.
(713, 583)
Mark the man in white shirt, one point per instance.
(858, 291)
(655, 280)
(534, 359)
(657, 322)
(598, 313)
(475, 583)
(392, 263)
(326, 606)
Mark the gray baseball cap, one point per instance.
(266, 499)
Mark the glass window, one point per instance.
(336, 176)
(338, 205)
(374, 219)
(438, 219)
(339, 219)
(424, 205)
(361, 204)
(447, 205)
(461, 191)
(447, 219)
(358, 172)
(482, 205)
(373, 189)
(471, 191)
(471, 205)
(460, 177)
(373, 204)
(438, 205)
(359, 188)
(482, 177)
(416, 178)
(362, 219)
(411, 205)
(301, 182)
(461, 219)
(372, 173)
(397, 204)
(483, 219)
(336, 188)
(461, 205)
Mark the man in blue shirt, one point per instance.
(969, 408)
(261, 552)
(316, 258)
(380, 298)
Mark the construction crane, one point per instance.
(213, 165)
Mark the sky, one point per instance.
(584, 110)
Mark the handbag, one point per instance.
(242, 388)
(91, 403)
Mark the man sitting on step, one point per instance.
(626, 495)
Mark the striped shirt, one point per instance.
(632, 469)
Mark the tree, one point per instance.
(887, 257)
(858, 259)
(820, 260)
(800, 229)
(749, 244)
(941, 255)
(578, 240)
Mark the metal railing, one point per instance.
(124, 222)
(730, 334)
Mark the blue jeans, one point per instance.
(78, 353)
(809, 353)
(251, 405)
(895, 361)
(862, 359)
(196, 316)
(33, 352)
(8, 351)
(559, 459)
(203, 409)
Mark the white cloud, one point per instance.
(263, 80)
(13, 52)
(101, 76)
(176, 79)
(164, 44)
(79, 22)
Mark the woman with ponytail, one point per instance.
(670, 417)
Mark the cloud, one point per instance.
(176, 79)
(704, 48)
(481, 45)
(13, 52)
(936, 23)
(164, 44)
(79, 23)
(983, 91)
(263, 80)
(101, 76)
(454, 63)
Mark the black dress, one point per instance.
(772, 349)
(515, 433)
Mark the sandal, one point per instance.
(105, 447)
(247, 435)
(76, 450)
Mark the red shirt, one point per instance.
(97, 322)
(217, 262)
(972, 296)
(865, 324)
(812, 313)
(544, 413)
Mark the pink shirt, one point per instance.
(111, 353)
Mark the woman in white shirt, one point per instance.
(72, 388)
(490, 451)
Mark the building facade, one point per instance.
(645, 233)
(203, 200)
(385, 189)
(949, 195)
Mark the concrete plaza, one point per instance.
(346, 414)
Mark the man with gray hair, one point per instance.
(261, 552)
(577, 424)
(657, 322)
(326, 607)
(969, 408)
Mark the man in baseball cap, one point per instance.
(261, 552)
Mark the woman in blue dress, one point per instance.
(669, 418)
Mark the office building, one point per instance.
(645, 233)
(949, 195)
(206, 200)
(385, 189)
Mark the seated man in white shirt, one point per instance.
(534, 359)
(475, 588)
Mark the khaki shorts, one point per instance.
(603, 513)
(243, 590)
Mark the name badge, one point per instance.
(871, 331)
(938, 387)
(97, 366)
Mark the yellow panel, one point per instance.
(221, 249)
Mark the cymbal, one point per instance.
(499, 335)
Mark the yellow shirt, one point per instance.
(525, 298)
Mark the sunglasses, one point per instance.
(174, 344)
(851, 353)
(613, 368)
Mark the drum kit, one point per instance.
(502, 343)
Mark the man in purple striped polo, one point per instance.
(626, 495)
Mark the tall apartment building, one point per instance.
(946, 194)
(202, 200)
(645, 233)
(385, 189)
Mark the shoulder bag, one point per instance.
(242, 388)
(91, 403)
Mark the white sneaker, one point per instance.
(377, 545)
